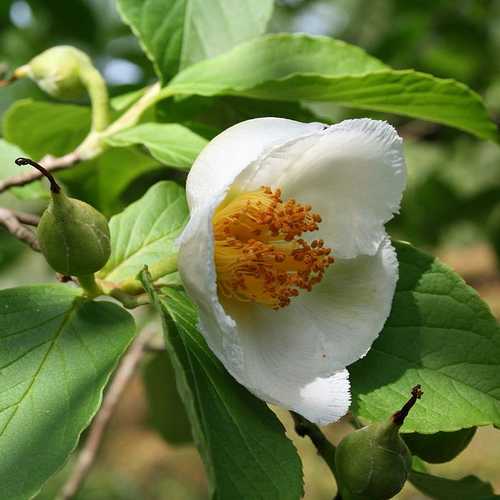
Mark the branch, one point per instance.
(133, 114)
(50, 163)
(93, 144)
(13, 222)
(28, 219)
(325, 449)
(88, 453)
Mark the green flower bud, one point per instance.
(74, 237)
(374, 462)
(58, 71)
(440, 447)
(65, 72)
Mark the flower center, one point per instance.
(259, 255)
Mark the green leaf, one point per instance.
(242, 443)
(8, 168)
(440, 447)
(145, 232)
(100, 181)
(41, 128)
(103, 180)
(439, 488)
(178, 33)
(10, 249)
(166, 410)
(300, 67)
(273, 58)
(123, 101)
(57, 353)
(170, 143)
(439, 334)
(210, 116)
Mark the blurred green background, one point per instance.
(451, 207)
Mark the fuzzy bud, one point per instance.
(57, 71)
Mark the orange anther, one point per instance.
(259, 253)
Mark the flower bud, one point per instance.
(57, 71)
(374, 462)
(440, 447)
(74, 237)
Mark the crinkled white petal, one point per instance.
(234, 149)
(276, 354)
(353, 174)
(321, 399)
(325, 400)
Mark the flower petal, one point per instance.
(197, 270)
(321, 331)
(325, 400)
(296, 356)
(232, 150)
(353, 174)
(278, 354)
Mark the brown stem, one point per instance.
(325, 449)
(399, 417)
(88, 453)
(54, 186)
(13, 222)
(50, 163)
(28, 219)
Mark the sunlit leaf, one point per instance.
(441, 335)
(300, 67)
(145, 232)
(57, 353)
(170, 143)
(178, 33)
(41, 128)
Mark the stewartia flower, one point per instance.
(287, 257)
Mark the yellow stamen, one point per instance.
(259, 255)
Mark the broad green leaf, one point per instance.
(170, 143)
(57, 353)
(441, 335)
(300, 67)
(8, 168)
(145, 232)
(440, 447)
(242, 443)
(41, 128)
(167, 414)
(439, 488)
(178, 33)
(273, 58)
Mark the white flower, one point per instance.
(241, 263)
